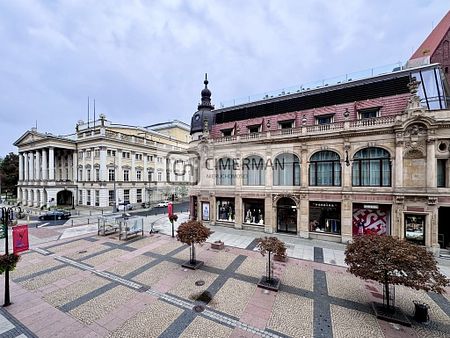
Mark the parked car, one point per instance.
(124, 206)
(162, 204)
(55, 214)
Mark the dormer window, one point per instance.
(324, 119)
(369, 113)
(227, 132)
(254, 129)
(286, 124)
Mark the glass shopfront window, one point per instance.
(415, 228)
(225, 209)
(253, 211)
(325, 217)
(371, 219)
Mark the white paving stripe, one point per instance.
(5, 325)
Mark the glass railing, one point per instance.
(359, 75)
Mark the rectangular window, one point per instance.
(88, 154)
(254, 129)
(369, 113)
(111, 197)
(415, 229)
(88, 197)
(150, 176)
(139, 157)
(227, 132)
(286, 124)
(80, 197)
(159, 176)
(225, 209)
(111, 175)
(97, 198)
(324, 119)
(80, 175)
(441, 179)
(159, 159)
(126, 195)
(138, 175)
(125, 154)
(150, 158)
(325, 217)
(126, 175)
(253, 211)
(97, 174)
(80, 155)
(97, 153)
(138, 195)
(110, 152)
(88, 174)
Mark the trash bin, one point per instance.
(421, 312)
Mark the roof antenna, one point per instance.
(94, 113)
(88, 112)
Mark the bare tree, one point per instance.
(391, 261)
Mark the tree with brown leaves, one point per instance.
(269, 246)
(191, 233)
(391, 261)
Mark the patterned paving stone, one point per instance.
(349, 323)
(23, 270)
(105, 257)
(346, 286)
(233, 297)
(254, 267)
(156, 273)
(167, 247)
(184, 254)
(74, 291)
(124, 268)
(67, 246)
(299, 277)
(150, 322)
(187, 288)
(100, 306)
(292, 315)
(84, 252)
(143, 242)
(50, 277)
(202, 327)
(220, 259)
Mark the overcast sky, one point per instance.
(144, 61)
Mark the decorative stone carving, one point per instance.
(413, 154)
(276, 197)
(414, 100)
(432, 200)
(416, 129)
(399, 199)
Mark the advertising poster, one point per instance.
(20, 238)
(205, 211)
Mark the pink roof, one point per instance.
(431, 43)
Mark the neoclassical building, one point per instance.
(102, 164)
(329, 162)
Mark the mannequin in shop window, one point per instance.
(248, 216)
(260, 217)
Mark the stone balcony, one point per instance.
(315, 130)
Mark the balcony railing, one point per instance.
(365, 124)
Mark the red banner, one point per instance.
(20, 238)
(170, 209)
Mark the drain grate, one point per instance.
(82, 251)
(199, 308)
(200, 283)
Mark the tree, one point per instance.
(391, 261)
(191, 233)
(9, 173)
(269, 246)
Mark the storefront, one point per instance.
(325, 217)
(415, 228)
(371, 219)
(286, 215)
(225, 209)
(253, 211)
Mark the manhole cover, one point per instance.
(200, 283)
(82, 251)
(199, 308)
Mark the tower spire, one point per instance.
(206, 96)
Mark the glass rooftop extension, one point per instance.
(337, 80)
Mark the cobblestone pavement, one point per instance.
(94, 286)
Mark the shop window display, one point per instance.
(415, 228)
(225, 209)
(370, 219)
(254, 212)
(325, 217)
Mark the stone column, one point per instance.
(38, 166)
(347, 219)
(74, 166)
(26, 167)
(103, 169)
(32, 168)
(133, 167)
(431, 165)
(304, 168)
(20, 167)
(44, 165)
(304, 216)
(238, 212)
(269, 226)
(346, 168)
(51, 164)
(397, 166)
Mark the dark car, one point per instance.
(55, 214)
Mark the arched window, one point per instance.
(286, 170)
(225, 169)
(372, 167)
(254, 170)
(325, 169)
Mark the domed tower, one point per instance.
(204, 117)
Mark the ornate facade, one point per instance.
(101, 164)
(330, 163)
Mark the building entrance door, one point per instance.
(64, 198)
(444, 227)
(286, 215)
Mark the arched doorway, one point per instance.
(286, 215)
(64, 198)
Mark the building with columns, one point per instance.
(332, 160)
(102, 164)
